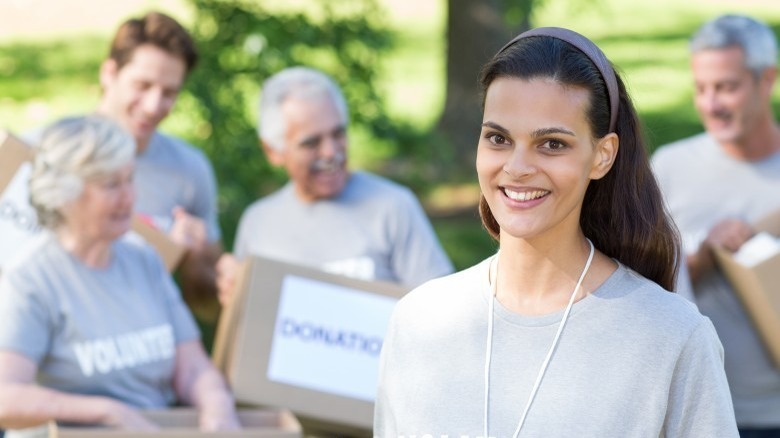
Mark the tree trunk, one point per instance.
(475, 31)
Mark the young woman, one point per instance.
(569, 330)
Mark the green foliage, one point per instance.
(241, 44)
(463, 239)
(42, 81)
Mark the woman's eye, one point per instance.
(497, 139)
(554, 145)
(110, 183)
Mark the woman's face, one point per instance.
(104, 209)
(536, 156)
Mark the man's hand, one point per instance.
(227, 271)
(196, 273)
(730, 234)
(188, 231)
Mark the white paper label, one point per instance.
(757, 249)
(327, 338)
(18, 221)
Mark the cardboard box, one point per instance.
(758, 288)
(183, 422)
(170, 252)
(19, 222)
(306, 340)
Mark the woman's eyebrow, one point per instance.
(553, 130)
(541, 132)
(495, 126)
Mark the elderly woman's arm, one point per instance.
(24, 404)
(198, 383)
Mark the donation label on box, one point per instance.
(335, 351)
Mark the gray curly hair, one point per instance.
(71, 151)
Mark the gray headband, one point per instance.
(590, 50)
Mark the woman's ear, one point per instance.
(606, 151)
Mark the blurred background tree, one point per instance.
(242, 43)
(476, 29)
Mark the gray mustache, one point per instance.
(721, 114)
(326, 164)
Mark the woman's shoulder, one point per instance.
(34, 271)
(38, 254)
(444, 294)
(647, 302)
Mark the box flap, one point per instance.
(183, 422)
(170, 252)
(13, 152)
(231, 315)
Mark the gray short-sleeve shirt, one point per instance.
(632, 361)
(374, 229)
(111, 332)
(172, 173)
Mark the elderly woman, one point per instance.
(93, 328)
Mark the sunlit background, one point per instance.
(50, 51)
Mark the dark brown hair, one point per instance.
(158, 30)
(623, 213)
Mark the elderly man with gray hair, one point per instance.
(351, 223)
(93, 327)
(719, 182)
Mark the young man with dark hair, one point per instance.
(149, 60)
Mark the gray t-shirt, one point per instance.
(373, 230)
(171, 172)
(703, 186)
(632, 361)
(110, 332)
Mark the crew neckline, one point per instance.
(549, 319)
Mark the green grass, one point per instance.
(43, 79)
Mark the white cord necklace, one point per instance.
(546, 362)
